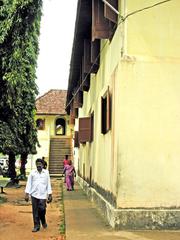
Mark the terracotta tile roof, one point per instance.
(52, 102)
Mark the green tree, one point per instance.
(19, 32)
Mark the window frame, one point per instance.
(106, 112)
(41, 127)
(76, 139)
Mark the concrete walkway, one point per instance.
(83, 221)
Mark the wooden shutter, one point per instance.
(95, 50)
(84, 129)
(109, 13)
(101, 27)
(72, 114)
(87, 56)
(78, 99)
(72, 119)
(91, 59)
(76, 110)
(86, 83)
(76, 139)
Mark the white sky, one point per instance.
(56, 39)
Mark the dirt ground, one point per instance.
(16, 221)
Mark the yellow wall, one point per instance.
(149, 132)
(45, 135)
(138, 160)
(149, 96)
(155, 32)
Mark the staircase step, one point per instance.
(58, 149)
(56, 166)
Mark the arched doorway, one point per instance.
(60, 126)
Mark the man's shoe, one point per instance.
(44, 225)
(35, 229)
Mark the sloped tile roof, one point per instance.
(52, 102)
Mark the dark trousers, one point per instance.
(39, 211)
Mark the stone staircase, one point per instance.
(59, 147)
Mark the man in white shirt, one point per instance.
(39, 188)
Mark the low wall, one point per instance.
(133, 219)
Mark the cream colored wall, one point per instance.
(149, 132)
(149, 115)
(138, 160)
(155, 32)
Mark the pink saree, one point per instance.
(69, 175)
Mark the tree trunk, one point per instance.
(23, 164)
(11, 166)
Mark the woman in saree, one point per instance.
(70, 173)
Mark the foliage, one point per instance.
(3, 200)
(19, 32)
(62, 226)
(7, 140)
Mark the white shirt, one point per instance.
(38, 184)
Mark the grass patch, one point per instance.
(3, 200)
(62, 226)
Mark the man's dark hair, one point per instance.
(39, 160)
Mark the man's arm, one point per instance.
(26, 197)
(28, 188)
(49, 190)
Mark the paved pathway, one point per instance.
(84, 222)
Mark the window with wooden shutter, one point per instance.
(86, 83)
(109, 13)
(85, 78)
(76, 139)
(95, 58)
(72, 119)
(72, 114)
(106, 112)
(91, 59)
(76, 112)
(87, 56)
(78, 99)
(85, 129)
(101, 26)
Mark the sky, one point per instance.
(56, 39)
